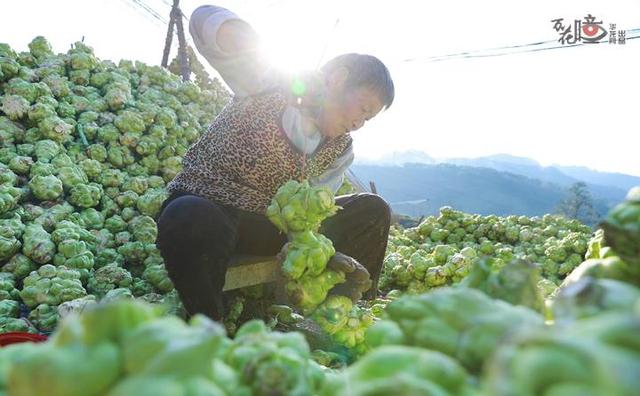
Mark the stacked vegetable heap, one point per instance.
(443, 250)
(87, 148)
(298, 210)
(449, 341)
(127, 348)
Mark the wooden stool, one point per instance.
(247, 270)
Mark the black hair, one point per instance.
(364, 71)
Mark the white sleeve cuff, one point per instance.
(244, 72)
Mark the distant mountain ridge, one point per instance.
(421, 189)
(502, 184)
(560, 174)
(517, 165)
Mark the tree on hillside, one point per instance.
(579, 204)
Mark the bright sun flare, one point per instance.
(294, 41)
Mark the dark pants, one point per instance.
(197, 238)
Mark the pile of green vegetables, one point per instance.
(450, 341)
(128, 348)
(583, 340)
(87, 147)
(443, 250)
(454, 340)
(298, 209)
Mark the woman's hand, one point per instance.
(358, 278)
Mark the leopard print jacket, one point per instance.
(245, 156)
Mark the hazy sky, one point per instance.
(572, 106)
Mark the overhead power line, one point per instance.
(142, 4)
(151, 14)
(632, 34)
(145, 14)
